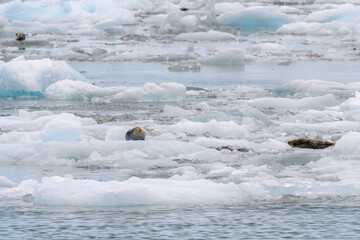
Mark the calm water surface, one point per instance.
(280, 220)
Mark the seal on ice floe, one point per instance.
(305, 142)
(137, 133)
(20, 36)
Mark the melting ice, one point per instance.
(217, 114)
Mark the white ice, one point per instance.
(212, 144)
(24, 77)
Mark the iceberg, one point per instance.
(318, 103)
(66, 191)
(78, 90)
(150, 92)
(65, 127)
(213, 127)
(252, 19)
(76, 12)
(316, 87)
(21, 77)
(344, 12)
(205, 36)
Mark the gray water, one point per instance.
(286, 220)
(264, 75)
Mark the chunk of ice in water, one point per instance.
(252, 19)
(31, 77)
(64, 127)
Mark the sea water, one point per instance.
(287, 220)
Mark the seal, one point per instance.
(20, 36)
(137, 133)
(306, 142)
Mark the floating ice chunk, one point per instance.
(17, 59)
(71, 55)
(6, 183)
(252, 113)
(116, 134)
(249, 91)
(254, 18)
(203, 106)
(316, 87)
(76, 11)
(179, 22)
(349, 144)
(190, 21)
(31, 77)
(3, 22)
(226, 57)
(78, 90)
(65, 127)
(345, 12)
(13, 191)
(291, 10)
(19, 137)
(213, 127)
(152, 92)
(156, 19)
(315, 28)
(134, 191)
(222, 7)
(319, 103)
(352, 104)
(205, 36)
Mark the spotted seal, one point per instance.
(20, 36)
(306, 142)
(137, 133)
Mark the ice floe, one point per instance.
(208, 141)
(31, 77)
(205, 36)
(254, 18)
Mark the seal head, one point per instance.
(20, 36)
(137, 133)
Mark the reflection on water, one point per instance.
(264, 75)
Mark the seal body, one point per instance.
(137, 133)
(184, 9)
(305, 142)
(20, 36)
